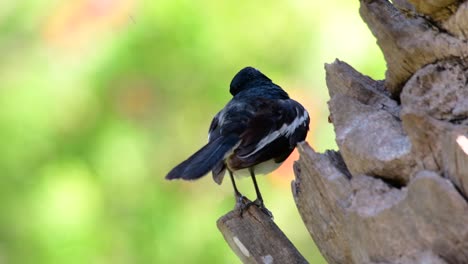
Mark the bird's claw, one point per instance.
(259, 203)
(262, 207)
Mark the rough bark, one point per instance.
(409, 41)
(397, 189)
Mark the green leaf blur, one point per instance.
(99, 99)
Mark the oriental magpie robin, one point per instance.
(254, 133)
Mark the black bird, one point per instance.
(254, 133)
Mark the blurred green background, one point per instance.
(99, 99)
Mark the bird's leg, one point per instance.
(259, 201)
(239, 196)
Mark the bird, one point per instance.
(253, 134)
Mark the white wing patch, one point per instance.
(219, 117)
(286, 130)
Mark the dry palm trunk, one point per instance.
(397, 189)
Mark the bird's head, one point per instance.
(247, 78)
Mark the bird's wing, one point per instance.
(213, 132)
(276, 127)
(232, 120)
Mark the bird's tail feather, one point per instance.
(203, 160)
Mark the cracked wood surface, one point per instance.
(255, 238)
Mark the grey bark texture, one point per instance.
(397, 189)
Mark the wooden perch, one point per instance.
(255, 238)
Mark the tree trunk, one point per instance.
(397, 189)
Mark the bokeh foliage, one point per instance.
(99, 99)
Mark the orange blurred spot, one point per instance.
(75, 23)
(135, 98)
(284, 174)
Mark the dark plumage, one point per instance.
(256, 131)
